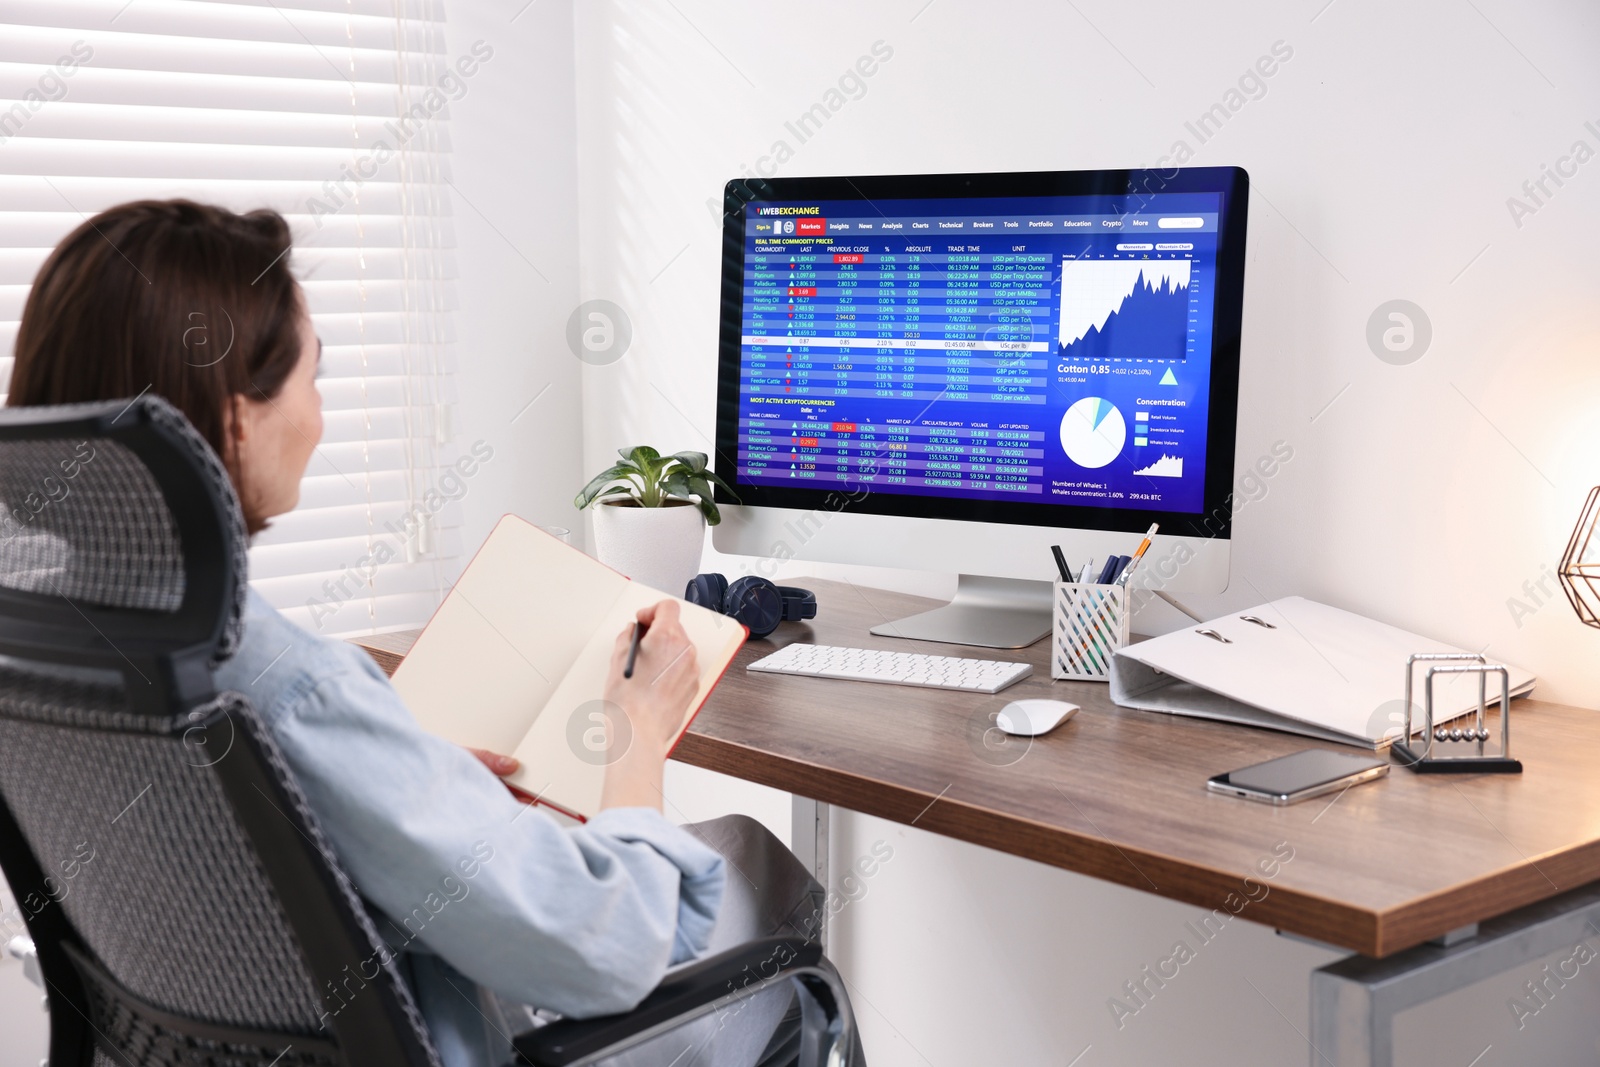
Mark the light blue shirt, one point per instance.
(478, 889)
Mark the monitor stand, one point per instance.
(989, 612)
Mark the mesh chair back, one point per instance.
(186, 908)
(53, 538)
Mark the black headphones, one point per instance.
(752, 600)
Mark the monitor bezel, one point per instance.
(1214, 520)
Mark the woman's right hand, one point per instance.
(651, 705)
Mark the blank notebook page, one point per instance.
(515, 659)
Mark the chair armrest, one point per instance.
(730, 976)
(22, 948)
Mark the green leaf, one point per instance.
(695, 461)
(652, 479)
(587, 494)
(708, 505)
(708, 508)
(650, 465)
(676, 483)
(643, 455)
(724, 486)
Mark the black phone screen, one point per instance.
(1301, 770)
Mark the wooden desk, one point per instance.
(1120, 795)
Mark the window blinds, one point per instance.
(332, 112)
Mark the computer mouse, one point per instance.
(1030, 718)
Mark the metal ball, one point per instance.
(1455, 734)
(1441, 734)
(1483, 733)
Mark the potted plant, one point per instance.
(652, 513)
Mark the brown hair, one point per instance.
(188, 301)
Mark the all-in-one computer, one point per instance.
(955, 372)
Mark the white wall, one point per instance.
(24, 1024)
(1382, 154)
(514, 182)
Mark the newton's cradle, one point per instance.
(1421, 755)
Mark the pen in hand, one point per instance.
(633, 647)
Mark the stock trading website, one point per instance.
(1052, 350)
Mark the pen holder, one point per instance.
(1090, 624)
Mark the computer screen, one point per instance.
(1048, 349)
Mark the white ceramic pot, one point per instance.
(659, 547)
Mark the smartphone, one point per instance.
(1295, 777)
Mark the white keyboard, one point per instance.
(895, 668)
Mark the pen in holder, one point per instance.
(1090, 624)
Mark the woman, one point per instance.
(198, 305)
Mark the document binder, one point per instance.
(1293, 665)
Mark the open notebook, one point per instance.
(515, 660)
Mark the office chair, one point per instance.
(182, 905)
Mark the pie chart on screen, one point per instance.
(1092, 432)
